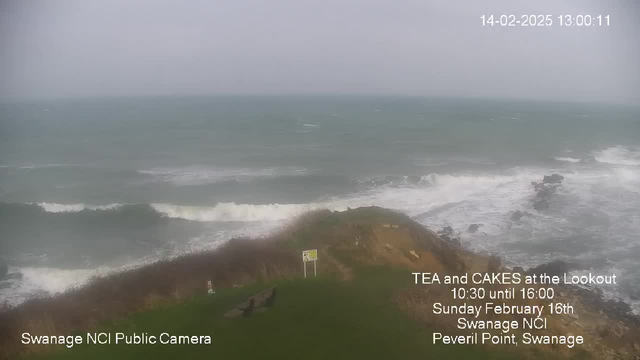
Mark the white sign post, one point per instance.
(310, 255)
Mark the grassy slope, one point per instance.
(313, 318)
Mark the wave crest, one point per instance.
(60, 208)
(236, 212)
(567, 159)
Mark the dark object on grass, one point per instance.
(246, 312)
(271, 299)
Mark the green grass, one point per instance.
(319, 318)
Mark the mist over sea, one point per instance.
(92, 186)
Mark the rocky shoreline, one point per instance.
(544, 192)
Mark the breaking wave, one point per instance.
(57, 208)
(221, 212)
(236, 212)
(618, 155)
(567, 159)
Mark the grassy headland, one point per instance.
(363, 305)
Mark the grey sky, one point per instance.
(86, 48)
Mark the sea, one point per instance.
(93, 186)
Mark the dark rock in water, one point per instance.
(447, 234)
(545, 189)
(553, 179)
(447, 230)
(518, 269)
(545, 192)
(451, 240)
(517, 215)
(473, 228)
(541, 205)
(554, 268)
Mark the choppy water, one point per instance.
(93, 186)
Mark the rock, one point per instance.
(517, 215)
(447, 235)
(554, 268)
(388, 246)
(518, 269)
(447, 230)
(473, 228)
(545, 189)
(541, 205)
(553, 179)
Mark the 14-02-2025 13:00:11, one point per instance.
(546, 20)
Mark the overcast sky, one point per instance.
(88, 48)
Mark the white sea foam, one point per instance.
(311, 125)
(202, 175)
(37, 281)
(436, 200)
(618, 155)
(235, 212)
(567, 159)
